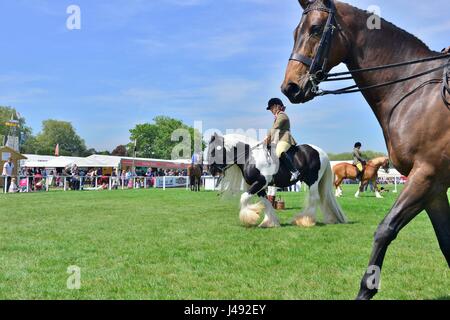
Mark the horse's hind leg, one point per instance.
(438, 210)
(308, 217)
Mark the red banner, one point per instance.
(154, 164)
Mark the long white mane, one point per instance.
(231, 140)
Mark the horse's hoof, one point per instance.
(304, 221)
(269, 225)
(365, 295)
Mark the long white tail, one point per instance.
(328, 204)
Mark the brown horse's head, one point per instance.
(319, 46)
(386, 165)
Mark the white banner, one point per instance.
(171, 182)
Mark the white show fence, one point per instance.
(25, 183)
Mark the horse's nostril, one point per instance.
(291, 90)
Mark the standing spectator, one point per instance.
(13, 187)
(148, 177)
(8, 168)
(129, 179)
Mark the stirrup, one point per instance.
(295, 175)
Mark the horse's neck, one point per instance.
(388, 45)
(376, 162)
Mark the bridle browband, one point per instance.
(318, 64)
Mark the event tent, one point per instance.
(100, 161)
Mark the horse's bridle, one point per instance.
(318, 64)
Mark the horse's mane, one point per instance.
(233, 180)
(405, 34)
(231, 140)
(378, 159)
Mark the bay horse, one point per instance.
(346, 170)
(248, 168)
(195, 177)
(403, 82)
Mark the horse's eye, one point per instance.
(316, 30)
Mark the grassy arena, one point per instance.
(154, 244)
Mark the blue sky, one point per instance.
(206, 60)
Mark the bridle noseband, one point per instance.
(318, 64)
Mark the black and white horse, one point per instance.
(247, 166)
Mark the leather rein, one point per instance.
(318, 64)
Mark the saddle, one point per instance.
(291, 152)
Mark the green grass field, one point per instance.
(154, 244)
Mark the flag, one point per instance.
(57, 150)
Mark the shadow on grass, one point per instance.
(442, 299)
(318, 224)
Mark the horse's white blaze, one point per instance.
(378, 195)
(357, 194)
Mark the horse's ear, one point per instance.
(305, 3)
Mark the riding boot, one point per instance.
(359, 175)
(290, 166)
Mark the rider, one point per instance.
(197, 159)
(281, 136)
(358, 160)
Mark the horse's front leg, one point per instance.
(409, 204)
(250, 213)
(362, 185)
(270, 220)
(438, 210)
(337, 184)
(375, 187)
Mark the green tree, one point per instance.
(120, 151)
(89, 152)
(30, 146)
(348, 155)
(155, 140)
(59, 132)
